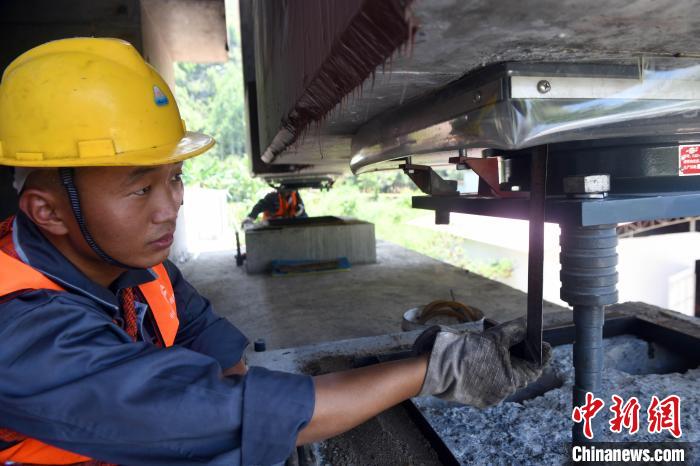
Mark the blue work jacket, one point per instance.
(71, 377)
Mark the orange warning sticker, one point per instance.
(689, 160)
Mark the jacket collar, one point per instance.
(35, 250)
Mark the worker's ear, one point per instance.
(42, 206)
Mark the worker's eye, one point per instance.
(142, 191)
(177, 178)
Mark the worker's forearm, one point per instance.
(347, 399)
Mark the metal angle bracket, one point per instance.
(487, 169)
(428, 181)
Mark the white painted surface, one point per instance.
(493, 238)
(207, 221)
(658, 269)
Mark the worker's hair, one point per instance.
(41, 178)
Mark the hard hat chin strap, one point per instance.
(67, 179)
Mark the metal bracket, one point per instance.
(324, 183)
(487, 170)
(531, 348)
(535, 265)
(428, 181)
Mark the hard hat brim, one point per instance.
(190, 145)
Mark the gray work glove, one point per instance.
(476, 369)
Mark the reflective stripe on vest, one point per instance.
(285, 210)
(16, 276)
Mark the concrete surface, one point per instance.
(319, 358)
(531, 432)
(322, 240)
(366, 300)
(191, 30)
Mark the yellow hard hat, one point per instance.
(90, 102)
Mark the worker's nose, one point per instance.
(168, 204)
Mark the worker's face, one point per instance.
(130, 211)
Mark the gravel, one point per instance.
(538, 430)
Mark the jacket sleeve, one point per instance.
(200, 328)
(73, 379)
(269, 203)
(301, 208)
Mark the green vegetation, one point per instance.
(210, 98)
(388, 205)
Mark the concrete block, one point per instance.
(315, 238)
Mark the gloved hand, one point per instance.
(476, 369)
(247, 223)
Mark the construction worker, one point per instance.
(108, 354)
(281, 203)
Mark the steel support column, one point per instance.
(588, 283)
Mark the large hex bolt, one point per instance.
(588, 283)
(587, 186)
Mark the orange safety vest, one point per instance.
(285, 210)
(15, 276)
